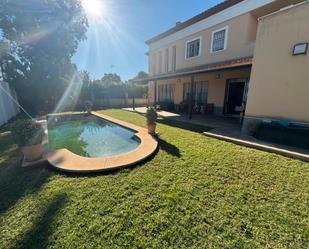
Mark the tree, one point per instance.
(111, 79)
(42, 36)
(141, 75)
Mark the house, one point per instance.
(229, 61)
(279, 82)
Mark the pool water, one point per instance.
(91, 137)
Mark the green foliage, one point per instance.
(110, 79)
(88, 106)
(151, 115)
(42, 36)
(27, 132)
(196, 192)
(141, 75)
(109, 87)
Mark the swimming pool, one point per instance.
(90, 136)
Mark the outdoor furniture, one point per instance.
(209, 108)
(183, 107)
(291, 134)
(157, 107)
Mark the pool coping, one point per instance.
(67, 161)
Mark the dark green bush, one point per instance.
(88, 106)
(151, 116)
(27, 132)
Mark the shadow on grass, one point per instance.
(184, 125)
(169, 148)
(15, 181)
(43, 227)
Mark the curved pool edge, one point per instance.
(67, 161)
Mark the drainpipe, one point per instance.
(191, 97)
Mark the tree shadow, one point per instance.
(169, 148)
(184, 125)
(43, 227)
(15, 181)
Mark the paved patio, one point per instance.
(229, 129)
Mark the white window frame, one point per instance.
(226, 28)
(200, 48)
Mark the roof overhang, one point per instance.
(181, 25)
(221, 13)
(230, 64)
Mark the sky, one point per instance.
(118, 30)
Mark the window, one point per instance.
(193, 48)
(166, 93)
(166, 60)
(154, 63)
(200, 93)
(219, 40)
(160, 62)
(174, 59)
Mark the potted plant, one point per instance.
(29, 135)
(151, 116)
(88, 106)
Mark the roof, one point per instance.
(181, 25)
(240, 62)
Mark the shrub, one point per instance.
(151, 116)
(27, 132)
(88, 106)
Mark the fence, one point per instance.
(8, 108)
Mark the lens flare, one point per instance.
(93, 8)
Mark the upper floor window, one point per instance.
(160, 62)
(219, 40)
(174, 59)
(193, 48)
(166, 60)
(154, 64)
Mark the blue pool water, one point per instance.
(90, 136)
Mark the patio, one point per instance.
(229, 129)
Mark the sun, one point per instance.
(93, 8)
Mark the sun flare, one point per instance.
(93, 8)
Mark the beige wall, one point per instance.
(216, 85)
(240, 43)
(279, 86)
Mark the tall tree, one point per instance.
(111, 79)
(141, 75)
(42, 36)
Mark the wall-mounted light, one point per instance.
(300, 48)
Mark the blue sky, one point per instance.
(117, 37)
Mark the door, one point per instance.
(235, 96)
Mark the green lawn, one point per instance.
(197, 192)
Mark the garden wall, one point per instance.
(8, 109)
(119, 102)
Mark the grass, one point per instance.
(197, 192)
